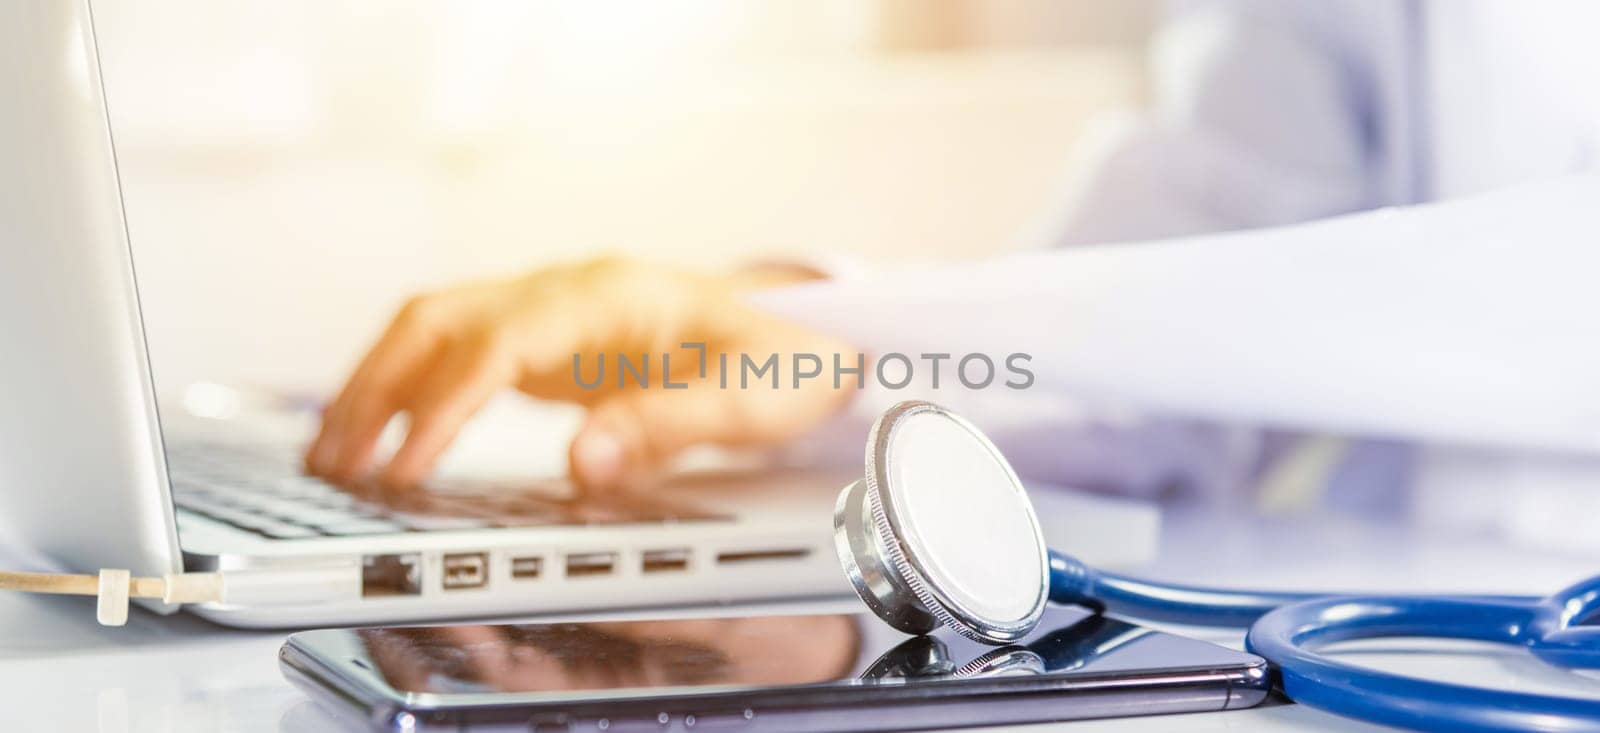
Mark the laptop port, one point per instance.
(746, 556)
(527, 568)
(665, 561)
(466, 570)
(585, 564)
(391, 575)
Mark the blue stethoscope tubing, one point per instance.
(1286, 629)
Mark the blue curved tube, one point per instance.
(1287, 629)
(1073, 582)
(1288, 637)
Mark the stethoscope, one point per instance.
(940, 532)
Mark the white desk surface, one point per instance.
(59, 671)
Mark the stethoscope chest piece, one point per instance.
(941, 532)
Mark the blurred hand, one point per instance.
(445, 354)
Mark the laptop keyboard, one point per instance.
(260, 489)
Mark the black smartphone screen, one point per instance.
(810, 672)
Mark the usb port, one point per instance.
(665, 561)
(746, 556)
(591, 563)
(527, 568)
(466, 570)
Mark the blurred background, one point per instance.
(293, 170)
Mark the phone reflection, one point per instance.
(769, 650)
(1072, 647)
(927, 657)
(756, 651)
(1087, 641)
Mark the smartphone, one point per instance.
(808, 673)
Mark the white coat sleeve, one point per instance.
(1467, 321)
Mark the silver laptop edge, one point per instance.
(80, 446)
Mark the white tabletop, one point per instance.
(60, 671)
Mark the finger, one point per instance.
(404, 335)
(467, 375)
(363, 427)
(410, 338)
(630, 436)
(309, 464)
(367, 412)
(633, 434)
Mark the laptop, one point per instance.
(94, 473)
